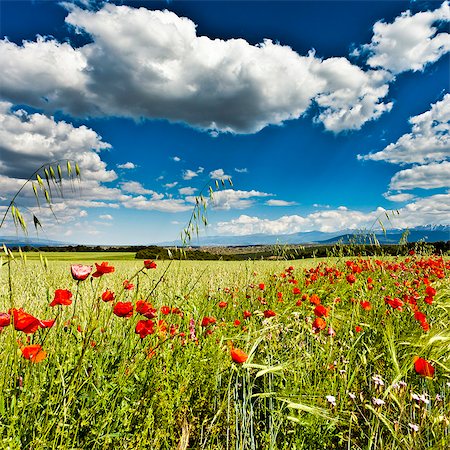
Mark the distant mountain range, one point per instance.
(13, 241)
(428, 233)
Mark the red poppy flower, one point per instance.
(47, 323)
(321, 311)
(223, 304)
(34, 353)
(62, 297)
(5, 320)
(247, 314)
(262, 286)
(423, 367)
(80, 272)
(314, 299)
(149, 264)
(351, 278)
(144, 328)
(123, 309)
(108, 296)
(318, 324)
(24, 322)
(269, 313)
(296, 291)
(238, 356)
(208, 321)
(430, 291)
(146, 309)
(358, 329)
(102, 269)
(366, 305)
(165, 310)
(127, 285)
(237, 322)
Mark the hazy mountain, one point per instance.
(428, 233)
(22, 241)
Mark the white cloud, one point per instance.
(176, 158)
(219, 174)
(83, 213)
(431, 176)
(243, 170)
(187, 190)
(165, 205)
(233, 199)
(106, 217)
(410, 42)
(28, 141)
(398, 197)
(134, 187)
(168, 71)
(428, 210)
(171, 185)
(351, 96)
(428, 141)
(274, 202)
(189, 174)
(127, 165)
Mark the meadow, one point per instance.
(314, 354)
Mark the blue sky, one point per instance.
(324, 114)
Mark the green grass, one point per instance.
(80, 257)
(102, 387)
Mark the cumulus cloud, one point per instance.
(134, 187)
(171, 185)
(410, 42)
(428, 141)
(274, 202)
(235, 199)
(189, 174)
(168, 205)
(176, 158)
(168, 71)
(428, 210)
(431, 176)
(29, 140)
(106, 217)
(398, 197)
(219, 174)
(187, 190)
(127, 165)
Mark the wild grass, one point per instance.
(102, 387)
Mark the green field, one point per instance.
(79, 257)
(346, 381)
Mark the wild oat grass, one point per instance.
(303, 386)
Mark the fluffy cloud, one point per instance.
(234, 199)
(176, 158)
(219, 174)
(352, 96)
(398, 197)
(431, 176)
(429, 210)
(106, 217)
(127, 165)
(29, 140)
(187, 190)
(189, 174)
(428, 141)
(168, 71)
(274, 202)
(410, 42)
(134, 187)
(165, 205)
